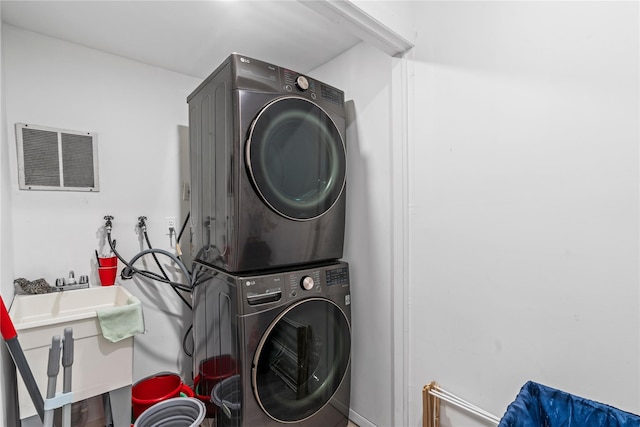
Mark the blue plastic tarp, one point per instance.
(540, 406)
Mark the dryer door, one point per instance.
(301, 360)
(296, 158)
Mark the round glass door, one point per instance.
(296, 158)
(301, 360)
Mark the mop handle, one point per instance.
(67, 357)
(67, 361)
(53, 368)
(11, 339)
(6, 325)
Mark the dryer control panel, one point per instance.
(294, 82)
(253, 74)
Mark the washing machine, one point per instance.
(274, 349)
(268, 167)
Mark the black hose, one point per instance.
(147, 274)
(153, 276)
(184, 342)
(146, 238)
(153, 254)
(168, 254)
(184, 225)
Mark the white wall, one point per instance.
(523, 259)
(139, 113)
(6, 255)
(524, 202)
(397, 15)
(368, 241)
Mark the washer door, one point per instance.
(296, 158)
(301, 360)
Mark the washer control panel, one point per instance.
(259, 292)
(307, 281)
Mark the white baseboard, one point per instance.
(359, 420)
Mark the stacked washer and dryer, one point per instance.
(272, 314)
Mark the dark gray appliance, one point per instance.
(286, 337)
(268, 167)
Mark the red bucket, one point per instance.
(151, 390)
(211, 372)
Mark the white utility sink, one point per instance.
(30, 311)
(99, 366)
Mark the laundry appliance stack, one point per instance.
(272, 314)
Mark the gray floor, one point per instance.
(207, 422)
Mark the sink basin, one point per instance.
(99, 365)
(31, 311)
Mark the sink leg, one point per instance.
(117, 407)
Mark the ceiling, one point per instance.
(189, 37)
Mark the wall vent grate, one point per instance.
(56, 159)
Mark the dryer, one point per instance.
(283, 340)
(268, 167)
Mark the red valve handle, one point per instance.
(6, 325)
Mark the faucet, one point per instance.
(108, 225)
